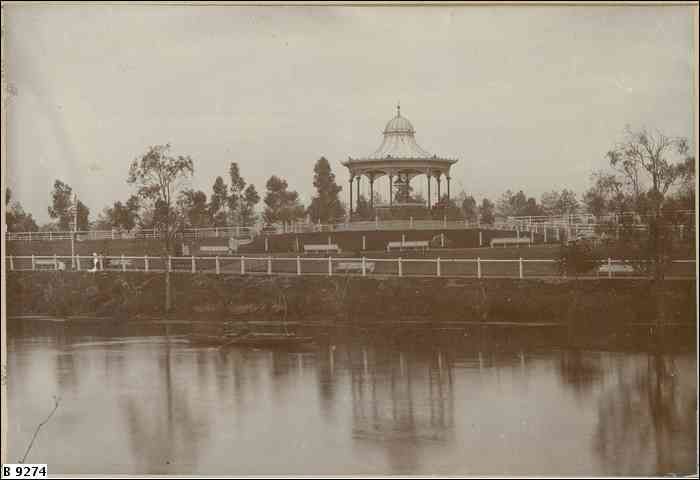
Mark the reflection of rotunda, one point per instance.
(400, 158)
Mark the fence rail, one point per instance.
(569, 226)
(147, 234)
(337, 265)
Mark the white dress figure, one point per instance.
(95, 262)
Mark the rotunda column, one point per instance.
(427, 174)
(350, 181)
(358, 189)
(437, 177)
(448, 188)
(391, 189)
(371, 191)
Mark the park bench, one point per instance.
(119, 262)
(215, 249)
(505, 241)
(322, 248)
(615, 268)
(49, 265)
(354, 267)
(408, 245)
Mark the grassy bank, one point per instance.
(133, 295)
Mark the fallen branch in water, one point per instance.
(36, 432)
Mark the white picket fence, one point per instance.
(148, 234)
(551, 227)
(271, 265)
(299, 228)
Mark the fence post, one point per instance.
(102, 263)
(194, 265)
(544, 231)
(609, 267)
(478, 267)
(364, 244)
(267, 245)
(520, 267)
(242, 265)
(55, 262)
(12, 265)
(444, 221)
(442, 239)
(269, 265)
(170, 263)
(410, 222)
(33, 264)
(438, 266)
(330, 266)
(364, 267)
(400, 268)
(145, 262)
(218, 266)
(123, 263)
(480, 239)
(298, 265)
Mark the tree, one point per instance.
(62, 208)
(325, 206)
(567, 204)
(250, 200)
(559, 203)
(121, 215)
(606, 195)
(218, 202)
(159, 177)
(16, 219)
(281, 205)
(486, 211)
(470, 209)
(517, 204)
(194, 207)
(645, 160)
(236, 192)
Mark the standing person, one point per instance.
(95, 262)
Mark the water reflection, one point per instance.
(140, 399)
(646, 420)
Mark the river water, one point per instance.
(138, 399)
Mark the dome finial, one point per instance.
(398, 108)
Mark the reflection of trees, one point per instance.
(580, 371)
(647, 425)
(401, 402)
(326, 380)
(171, 436)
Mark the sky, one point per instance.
(527, 97)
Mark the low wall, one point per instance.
(355, 299)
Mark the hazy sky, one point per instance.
(527, 97)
